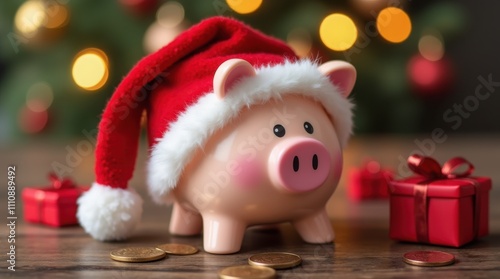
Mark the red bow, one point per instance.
(430, 168)
(456, 167)
(58, 183)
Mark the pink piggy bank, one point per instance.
(276, 161)
(242, 133)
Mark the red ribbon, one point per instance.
(58, 183)
(429, 168)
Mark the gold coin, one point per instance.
(178, 249)
(276, 260)
(137, 254)
(247, 271)
(428, 258)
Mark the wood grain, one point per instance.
(362, 248)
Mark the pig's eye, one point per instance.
(308, 127)
(279, 130)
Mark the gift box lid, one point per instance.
(444, 188)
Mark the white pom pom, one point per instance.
(109, 213)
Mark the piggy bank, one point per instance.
(276, 161)
(237, 139)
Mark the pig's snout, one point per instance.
(299, 164)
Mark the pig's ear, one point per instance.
(230, 72)
(340, 73)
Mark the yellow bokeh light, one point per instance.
(90, 69)
(30, 17)
(244, 6)
(394, 24)
(338, 32)
(431, 48)
(59, 16)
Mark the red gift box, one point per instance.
(55, 205)
(440, 206)
(369, 182)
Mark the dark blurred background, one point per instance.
(421, 65)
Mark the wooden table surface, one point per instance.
(362, 248)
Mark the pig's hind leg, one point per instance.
(222, 234)
(183, 222)
(315, 228)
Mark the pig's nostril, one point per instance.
(315, 162)
(295, 164)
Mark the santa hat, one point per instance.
(185, 107)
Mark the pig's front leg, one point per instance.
(222, 234)
(183, 222)
(315, 228)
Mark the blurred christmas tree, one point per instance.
(60, 60)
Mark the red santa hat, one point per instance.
(185, 107)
